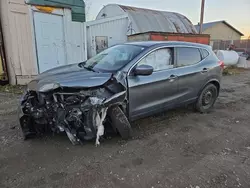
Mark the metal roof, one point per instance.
(143, 20)
(77, 7)
(205, 26)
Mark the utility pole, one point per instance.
(202, 15)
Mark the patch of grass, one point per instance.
(16, 89)
(232, 70)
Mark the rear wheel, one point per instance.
(207, 98)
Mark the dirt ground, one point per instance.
(179, 148)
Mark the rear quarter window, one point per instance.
(188, 56)
(204, 53)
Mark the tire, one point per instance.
(120, 122)
(207, 98)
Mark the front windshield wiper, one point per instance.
(89, 68)
(83, 65)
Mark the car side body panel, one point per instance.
(145, 94)
(148, 94)
(192, 78)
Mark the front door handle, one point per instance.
(204, 70)
(172, 78)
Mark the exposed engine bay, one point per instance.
(79, 112)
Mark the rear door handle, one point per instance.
(204, 70)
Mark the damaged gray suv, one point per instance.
(121, 84)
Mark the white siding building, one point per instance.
(38, 38)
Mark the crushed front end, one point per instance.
(79, 112)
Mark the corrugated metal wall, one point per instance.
(115, 29)
(75, 39)
(147, 20)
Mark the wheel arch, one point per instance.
(214, 82)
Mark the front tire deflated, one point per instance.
(120, 122)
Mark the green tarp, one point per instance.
(77, 7)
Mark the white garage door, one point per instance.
(50, 43)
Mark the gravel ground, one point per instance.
(179, 148)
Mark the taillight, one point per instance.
(222, 65)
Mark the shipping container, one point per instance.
(164, 36)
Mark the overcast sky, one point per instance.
(235, 12)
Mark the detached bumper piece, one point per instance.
(81, 115)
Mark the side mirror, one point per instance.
(144, 70)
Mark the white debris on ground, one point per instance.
(100, 117)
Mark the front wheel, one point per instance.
(207, 98)
(120, 122)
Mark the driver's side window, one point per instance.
(161, 59)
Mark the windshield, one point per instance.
(114, 58)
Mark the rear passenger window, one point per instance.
(188, 56)
(204, 53)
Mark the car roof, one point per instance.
(170, 43)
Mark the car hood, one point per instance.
(71, 76)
